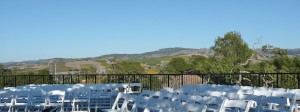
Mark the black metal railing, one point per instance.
(157, 81)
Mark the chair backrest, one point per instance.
(147, 93)
(167, 89)
(263, 93)
(246, 90)
(294, 91)
(231, 89)
(261, 88)
(166, 95)
(231, 96)
(213, 94)
(135, 88)
(278, 89)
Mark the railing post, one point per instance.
(43, 79)
(124, 78)
(202, 78)
(259, 80)
(71, 77)
(150, 82)
(78, 79)
(86, 81)
(277, 80)
(15, 81)
(182, 80)
(63, 79)
(95, 79)
(298, 77)
(4, 81)
(28, 79)
(224, 79)
(134, 80)
(168, 80)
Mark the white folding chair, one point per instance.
(250, 97)
(236, 106)
(274, 104)
(156, 105)
(213, 104)
(194, 107)
(141, 102)
(121, 103)
(135, 88)
(81, 103)
(37, 101)
(21, 100)
(230, 89)
(55, 99)
(6, 100)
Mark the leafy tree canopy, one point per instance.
(177, 66)
(233, 48)
(126, 67)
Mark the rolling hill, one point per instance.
(153, 58)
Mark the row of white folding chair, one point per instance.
(284, 98)
(210, 102)
(131, 103)
(262, 91)
(189, 104)
(184, 99)
(27, 101)
(215, 87)
(21, 100)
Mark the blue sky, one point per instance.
(41, 29)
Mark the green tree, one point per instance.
(89, 70)
(232, 48)
(43, 72)
(4, 71)
(125, 67)
(296, 65)
(177, 66)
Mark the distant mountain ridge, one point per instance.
(165, 52)
(162, 53)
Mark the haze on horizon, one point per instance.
(34, 29)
